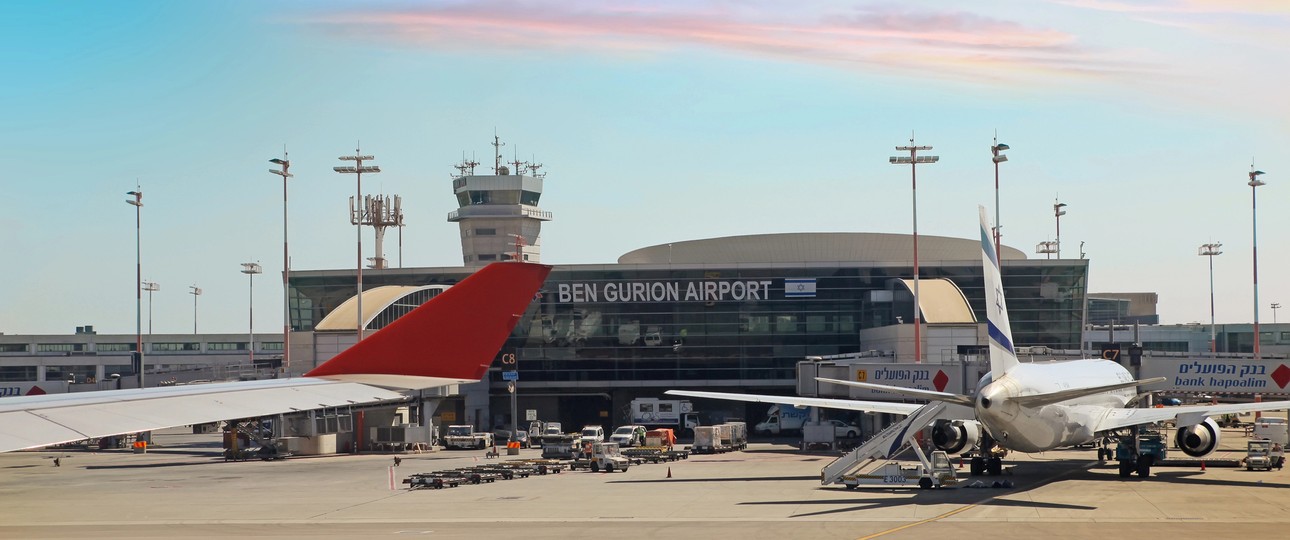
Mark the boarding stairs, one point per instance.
(884, 445)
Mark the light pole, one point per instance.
(1254, 184)
(285, 173)
(913, 160)
(151, 287)
(195, 291)
(1275, 307)
(357, 170)
(1210, 250)
(251, 269)
(997, 149)
(137, 203)
(1058, 213)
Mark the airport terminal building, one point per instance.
(730, 314)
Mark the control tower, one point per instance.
(498, 215)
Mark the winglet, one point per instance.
(455, 335)
(1002, 355)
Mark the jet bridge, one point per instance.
(885, 444)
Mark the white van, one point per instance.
(595, 433)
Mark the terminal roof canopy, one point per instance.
(813, 247)
(941, 301)
(375, 300)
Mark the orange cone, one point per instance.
(1202, 465)
(669, 472)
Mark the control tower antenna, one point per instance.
(466, 167)
(517, 163)
(533, 168)
(497, 153)
(519, 247)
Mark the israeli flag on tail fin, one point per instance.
(1002, 355)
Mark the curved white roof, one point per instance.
(375, 300)
(813, 247)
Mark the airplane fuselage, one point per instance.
(1037, 429)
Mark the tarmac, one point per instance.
(182, 488)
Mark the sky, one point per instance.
(656, 122)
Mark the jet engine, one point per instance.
(1198, 440)
(956, 436)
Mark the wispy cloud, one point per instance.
(885, 38)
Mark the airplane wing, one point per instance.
(1187, 415)
(845, 404)
(915, 393)
(449, 340)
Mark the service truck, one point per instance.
(677, 414)
(781, 418)
(464, 436)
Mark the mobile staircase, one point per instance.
(884, 445)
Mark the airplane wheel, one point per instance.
(994, 466)
(977, 466)
(1144, 466)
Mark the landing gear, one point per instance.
(977, 466)
(992, 466)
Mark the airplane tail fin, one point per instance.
(1002, 355)
(455, 335)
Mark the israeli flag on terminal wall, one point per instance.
(799, 287)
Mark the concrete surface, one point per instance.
(182, 488)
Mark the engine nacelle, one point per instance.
(956, 436)
(1198, 440)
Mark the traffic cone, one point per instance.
(1202, 465)
(960, 462)
(669, 472)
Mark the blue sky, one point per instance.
(656, 122)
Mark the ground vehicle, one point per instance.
(548, 431)
(1273, 429)
(628, 436)
(605, 456)
(927, 474)
(1264, 454)
(535, 431)
(558, 447)
(1150, 450)
(464, 436)
(653, 412)
(843, 429)
(781, 418)
(595, 433)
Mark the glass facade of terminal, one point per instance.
(641, 325)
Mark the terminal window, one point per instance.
(17, 373)
(226, 346)
(271, 346)
(171, 347)
(59, 347)
(13, 347)
(114, 347)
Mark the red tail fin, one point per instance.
(455, 335)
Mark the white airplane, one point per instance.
(451, 339)
(1033, 407)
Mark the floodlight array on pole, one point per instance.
(997, 150)
(285, 173)
(151, 287)
(357, 170)
(195, 291)
(1211, 250)
(251, 269)
(1048, 247)
(1254, 184)
(913, 160)
(137, 203)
